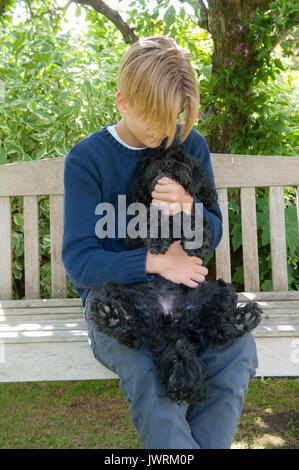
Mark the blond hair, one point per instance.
(157, 79)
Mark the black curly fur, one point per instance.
(175, 320)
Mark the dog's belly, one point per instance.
(169, 295)
(166, 303)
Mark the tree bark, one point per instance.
(224, 24)
(112, 15)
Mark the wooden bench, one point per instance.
(46, 339)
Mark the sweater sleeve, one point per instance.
(213, 215)
(87, 263)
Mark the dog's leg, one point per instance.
(159, 234)
(213, 315)
(112, 308)
(186, 374)
(202, 250)
(179, 367)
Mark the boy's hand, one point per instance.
(176, 266)
(171, 197)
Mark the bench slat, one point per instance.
(36, 178)
(278, 239)
(76, 301)
(58, 274)
(77, 312)
(5, 249)
(41, 311)
(42, 325)
(222, 252)
(44, 177)
(241, 171)
(276, 323)
(249, 240)
(31, 248)
(40, 303)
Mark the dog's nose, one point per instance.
(167, 164)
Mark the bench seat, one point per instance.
(46, 339)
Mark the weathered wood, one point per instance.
(264, 296)
(58, 349)
(278, 239)
(274, 324)
(41, 311)
(36, 178)
(44, 177)
(249, 240)
(277, 356)
(69, 304)
(40, 324)
(74, 361)
(50, 361)
(50, 335)
(76, 312)
(31, 248)
(5, 249)
(241, 171)
(40, 303)
(222, 252)
(58, 274)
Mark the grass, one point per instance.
(94, 415)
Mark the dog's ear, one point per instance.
(202, 186)
(139, 192)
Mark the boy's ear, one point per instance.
(121, 103)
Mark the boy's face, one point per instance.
(134, 130)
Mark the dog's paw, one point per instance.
(247, 317)
(107, 315)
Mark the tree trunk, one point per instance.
(228, 36)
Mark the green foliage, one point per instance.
(243, 93)
(58, 89)
(55, 92)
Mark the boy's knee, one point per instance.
(247, 352)
(237, 355)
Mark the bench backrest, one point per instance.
(45, 177)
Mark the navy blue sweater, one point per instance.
(98, 169)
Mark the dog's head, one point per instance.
(173, 163)
(178, 165)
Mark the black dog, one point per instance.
(175, 319)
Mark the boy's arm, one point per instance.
(87, 263)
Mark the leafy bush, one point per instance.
(59, 89)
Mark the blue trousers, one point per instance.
(161, 423)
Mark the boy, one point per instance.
(156, 83)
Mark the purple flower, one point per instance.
(229, 62)
(238, 47)
(240, 28)
(256, 36)
(246, 52)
